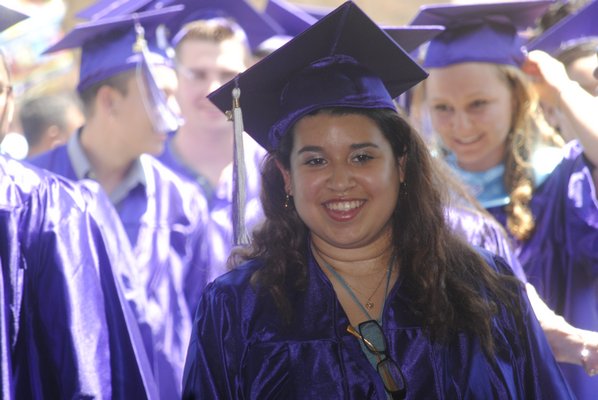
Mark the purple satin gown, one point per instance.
(66, 328)
(240, 349)
(220, 199)
(168, 226)
(561, 257)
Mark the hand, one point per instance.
(589, 352)
(548, 75)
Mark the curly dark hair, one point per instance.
(444, 275)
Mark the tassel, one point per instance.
(240, 236)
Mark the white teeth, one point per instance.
(468, 140)
(344, 205)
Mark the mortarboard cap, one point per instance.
(257, 26)
(112, 45)
(343, 60)
(9, 17)
(107, 44)
(291, 18)
(113, 8)
(579, 27)
(484, 32)
(411, 37)
(318, 12)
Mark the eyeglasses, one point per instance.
(203, 74)
(372, 336)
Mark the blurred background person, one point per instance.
(47, 121)
(213, 43)
(124, 81)
(486, 113)
(67, 329)
(573, 41)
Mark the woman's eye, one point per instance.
(315, 161)
(363, 158)
(478, 104)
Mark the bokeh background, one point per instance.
(34, 73)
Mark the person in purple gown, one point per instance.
(355, 287)
(485, 111)
(124, 85)
(568, 32)
(66, 329)
(213, 41)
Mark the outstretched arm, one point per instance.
(569, 344)
(577, 107)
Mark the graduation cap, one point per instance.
(9, 17)
(291, 18)
(113, 8)
(411, 37)
(257, 26)
(112, 45)
(484, 32)
(576, 29)
(108, 44)
(345, 59)
(318, 12)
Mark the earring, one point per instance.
(287, 201)
(403, 190)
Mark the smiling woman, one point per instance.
(485, 108)
(344, 179)
(354, 286)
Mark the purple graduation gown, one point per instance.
(240, 350)
(561, 257)
(483, 231)
(66, 328)
(168, 224)
(220, 199)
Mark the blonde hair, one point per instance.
(528, 130)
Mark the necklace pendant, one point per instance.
(369, 305)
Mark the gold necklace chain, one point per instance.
(368, 303)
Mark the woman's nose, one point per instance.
(341, 178)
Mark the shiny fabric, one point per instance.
(471, 44)
(473, 29)
(561, 257)
(483, 231)
(167, 223)
(66, 330)
(108, 46)
(488, 186)
(334, 81)
(241, 349)
(221, 198)
(282, 87)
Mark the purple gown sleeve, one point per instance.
(540, 376)
(64, 324)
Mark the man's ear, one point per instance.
(286, 176)
(107, 99)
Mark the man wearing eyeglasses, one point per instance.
(209, 53)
